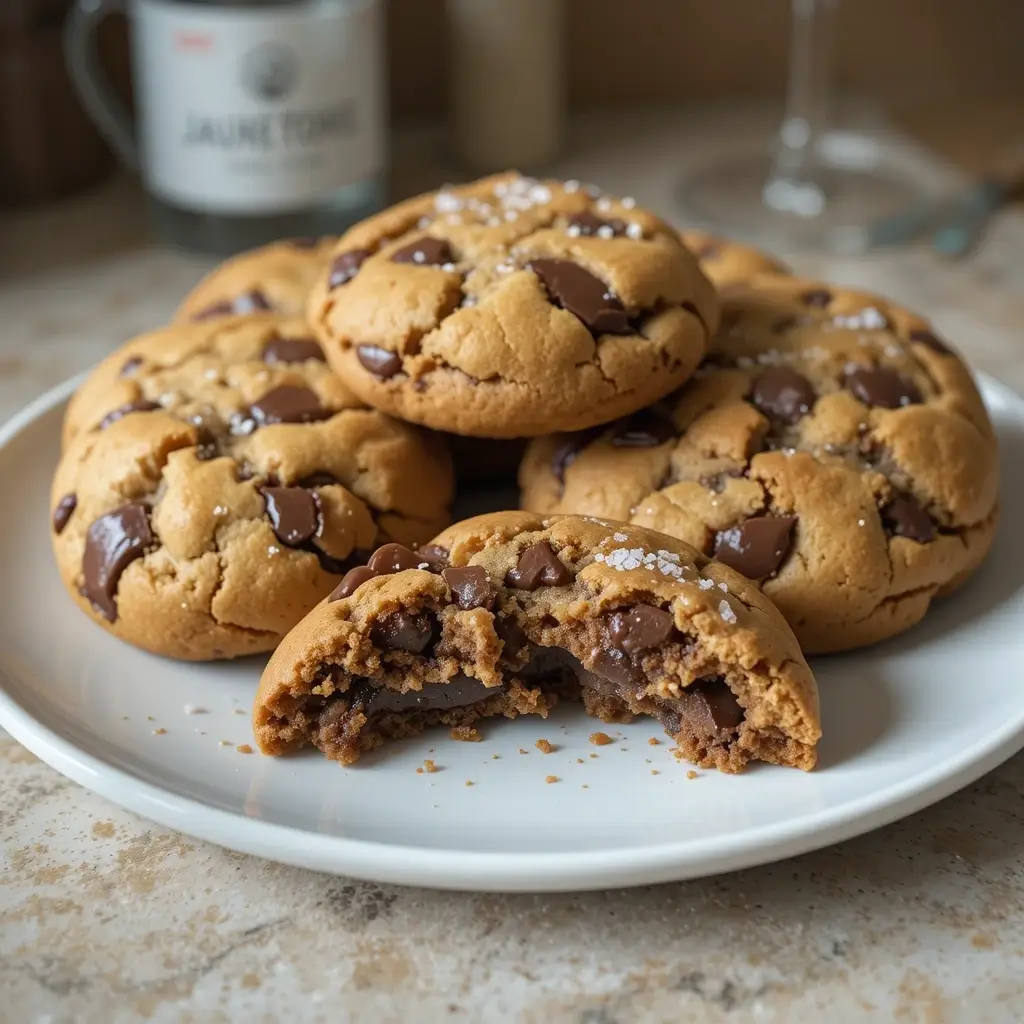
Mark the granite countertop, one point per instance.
(106, 918)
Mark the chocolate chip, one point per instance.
(640, 628)
(510, 634)
(319, 479)
(817, 298)
(140, 405)
(615, 666)
(112, 543)
(538, 566)
(353, 580)
(880, 387)
(62, 513)
(130, 366)
(292, 350)
(207, 447)
(346, 265)
(337, 566)
(645, 429)
(709, 708)
(904, 517)
(424, 252)
(757, 547)
(581, 293)
(471, 586)
(288, 404)
(589, 224)
(253, 301)
(381, 362)
(459, 692)
(566, 451)
(404, 631)
(389, 558)
(936, 344)
(294, 514)
(434, 555)
(783, 394)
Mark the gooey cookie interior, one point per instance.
(506, 614)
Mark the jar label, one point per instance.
(257, 111)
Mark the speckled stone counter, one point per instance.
(105, 918)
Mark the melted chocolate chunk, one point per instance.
(459, 692)
(510, 634)
(345, 266)
(62, 513)
(434, 555)
(253, 301)
(708, 708)
(389, 558)
(935, 343)
(589, 224)
(645, 429)
(336, 566)
(615, 666)
(130, 366)
(424, 252)
(757, 547)
(139, 405)
(288, 403)
(471, 586)
(207, 447)
(567, 450)
(783, 394)
(538, 566)
(353, 580)
(640, 628)
(294, 514)
(404, 631)
(112, 543)
(817, 298)
(904, 517)
(381, 362)
(880, 387)
(292, 350)
(581, 293)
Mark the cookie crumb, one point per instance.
(579, 760)
(495, 757)
(469, 782)
(465, 734)
(600, 739)
(160, 732)
(125, 718)
(594, 755)
(654, 771)
(550, 778)
(545, 747)
(194, 709)
(522, 751)
(244, 748)
(429, 766)
(584, 786)
(654, 742)
(691, 774)
(224, 743)
(419, 771)
(240, 711)
(150, 718)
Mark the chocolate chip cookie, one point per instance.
(274, 278)
(726, 261)
(507, 613)
(218, 480)
(512, 307)
(832, 447)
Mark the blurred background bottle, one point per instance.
(254, 119)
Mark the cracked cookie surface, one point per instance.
(512, 307)
(725, 261)
(832, 447)
(217, 480)
(275, 278)
(507, 613)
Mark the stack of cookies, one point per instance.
(723, 468)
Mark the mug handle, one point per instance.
(91, 83)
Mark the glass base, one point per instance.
(853, 195)
(226, 234)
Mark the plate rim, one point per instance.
(485, 871)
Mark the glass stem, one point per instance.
(795, 182)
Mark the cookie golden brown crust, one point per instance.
(506, 613)
(727, 262)
(512, 307)
(275, 278)
(837, 424)
(218, 480)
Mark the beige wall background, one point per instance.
(669, 51)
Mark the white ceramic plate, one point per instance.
(905, 724)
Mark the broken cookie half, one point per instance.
(507, 613)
